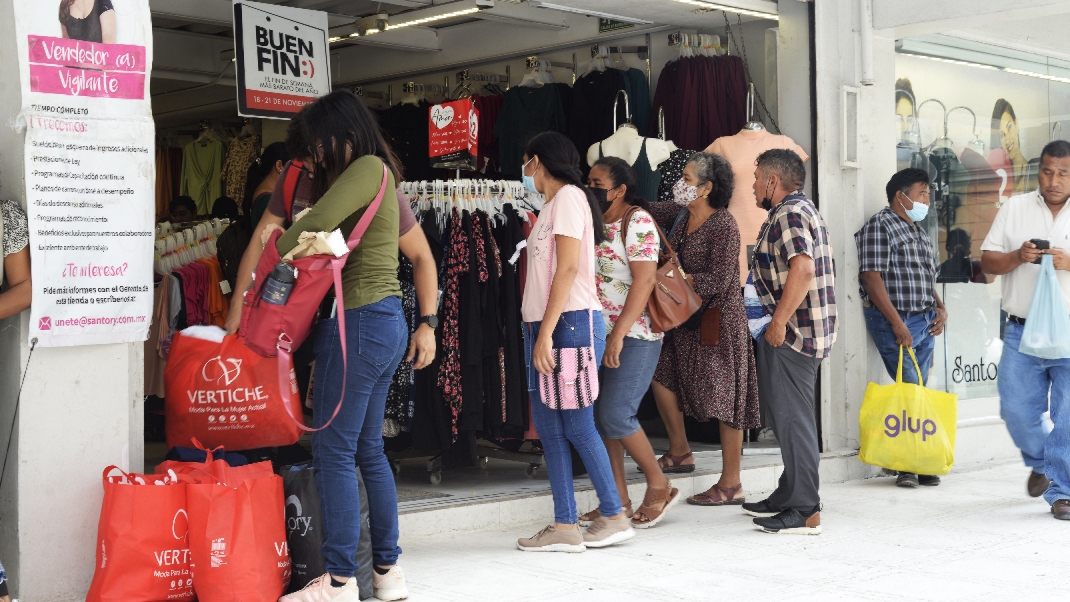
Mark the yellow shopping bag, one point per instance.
(908, 428)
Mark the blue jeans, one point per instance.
(621, 390)
(884, 337)
(559, 427)
(376, 336)
(1027, 385)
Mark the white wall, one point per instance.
(81, 406)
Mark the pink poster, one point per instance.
(79, 68)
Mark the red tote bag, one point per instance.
(142, 543)
(238, 541)
(224, 394)
(214, 471)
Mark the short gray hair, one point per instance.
(714, 168)
(785, 164)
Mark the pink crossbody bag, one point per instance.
(573, 384)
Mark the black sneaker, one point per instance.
(760, 509)
(928, 480)
(907, 479)
(792, 522)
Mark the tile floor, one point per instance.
(977, 537)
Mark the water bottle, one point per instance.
(279, 284)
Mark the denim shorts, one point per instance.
(621, 390)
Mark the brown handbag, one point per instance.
(673, 300)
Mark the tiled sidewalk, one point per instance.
(976, 537)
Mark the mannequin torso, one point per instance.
(626, 143)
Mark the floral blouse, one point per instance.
(615, 275)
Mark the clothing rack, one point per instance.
(388, 96)
(642, 51)
(178, 247)
(532, 62)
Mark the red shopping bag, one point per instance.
(226, 394)
(142, 542)
(238, 541)
(214, 471)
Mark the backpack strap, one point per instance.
(289, 186)
(287, 378)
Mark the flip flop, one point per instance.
(725, 497)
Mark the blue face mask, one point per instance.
(916, 213)
(529, 181)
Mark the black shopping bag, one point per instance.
(304, 530)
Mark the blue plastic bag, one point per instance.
(1047, 328)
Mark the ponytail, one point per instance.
(559, 157)
(259, 170)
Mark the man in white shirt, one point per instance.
(1026, 383)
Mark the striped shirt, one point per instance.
(794, 227)
(903, 254)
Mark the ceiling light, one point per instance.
(425, 20)
(730, 9)
(589, 13)
(1053, 78)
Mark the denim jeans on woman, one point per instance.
(376, 336)
(557, 428)
(1028, 387)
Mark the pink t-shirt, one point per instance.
(742, 150)
(567, 214)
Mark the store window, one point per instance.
(976, 116)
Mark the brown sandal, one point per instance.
(670, 464)
(646, 516)
(593, 515)
(725, 497)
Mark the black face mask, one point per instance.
(600, 196)
(767, 204)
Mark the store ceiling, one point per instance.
(190, 80)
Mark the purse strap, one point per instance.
(289, 187)
(287, 377)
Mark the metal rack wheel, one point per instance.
(436, 477)
(532, 470)
(483, 461)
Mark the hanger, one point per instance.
(976, 145)
(942, 141)
(752, 124)
(627, 112)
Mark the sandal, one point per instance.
(670, 464)
(725, 497)
(646, 516)
(593, 515)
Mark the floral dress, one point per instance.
(711, 382)
(614, 273)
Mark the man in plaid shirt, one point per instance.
(794, 277)
(897, 271)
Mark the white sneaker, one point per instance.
(320, 590)
(390, 586)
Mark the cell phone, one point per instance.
(1041, 244)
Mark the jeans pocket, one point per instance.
(379, 333)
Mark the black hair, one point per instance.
(786, 164)
(559, 157)
(260, 169)
(1056, 149)
(1002, 106)
(327, 125)
(622, 174)
(904, 90)
(183, 201)
(958, 237)
(714, 168)
(903, 180)
(224, 208)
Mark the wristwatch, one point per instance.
(431, 321)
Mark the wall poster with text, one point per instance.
(283, 58)
(89, 168)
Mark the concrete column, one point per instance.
(81, 410)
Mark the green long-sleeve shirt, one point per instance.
(371, 272)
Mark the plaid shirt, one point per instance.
(794, 227)
(903, 254)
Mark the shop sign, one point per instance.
(608, 25)
(283, 58)
(89, 171)
(453, 135)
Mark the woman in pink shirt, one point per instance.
(560, 293)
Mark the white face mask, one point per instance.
(684, 194)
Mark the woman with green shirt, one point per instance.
(349, 153)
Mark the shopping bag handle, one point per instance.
(899, 372)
